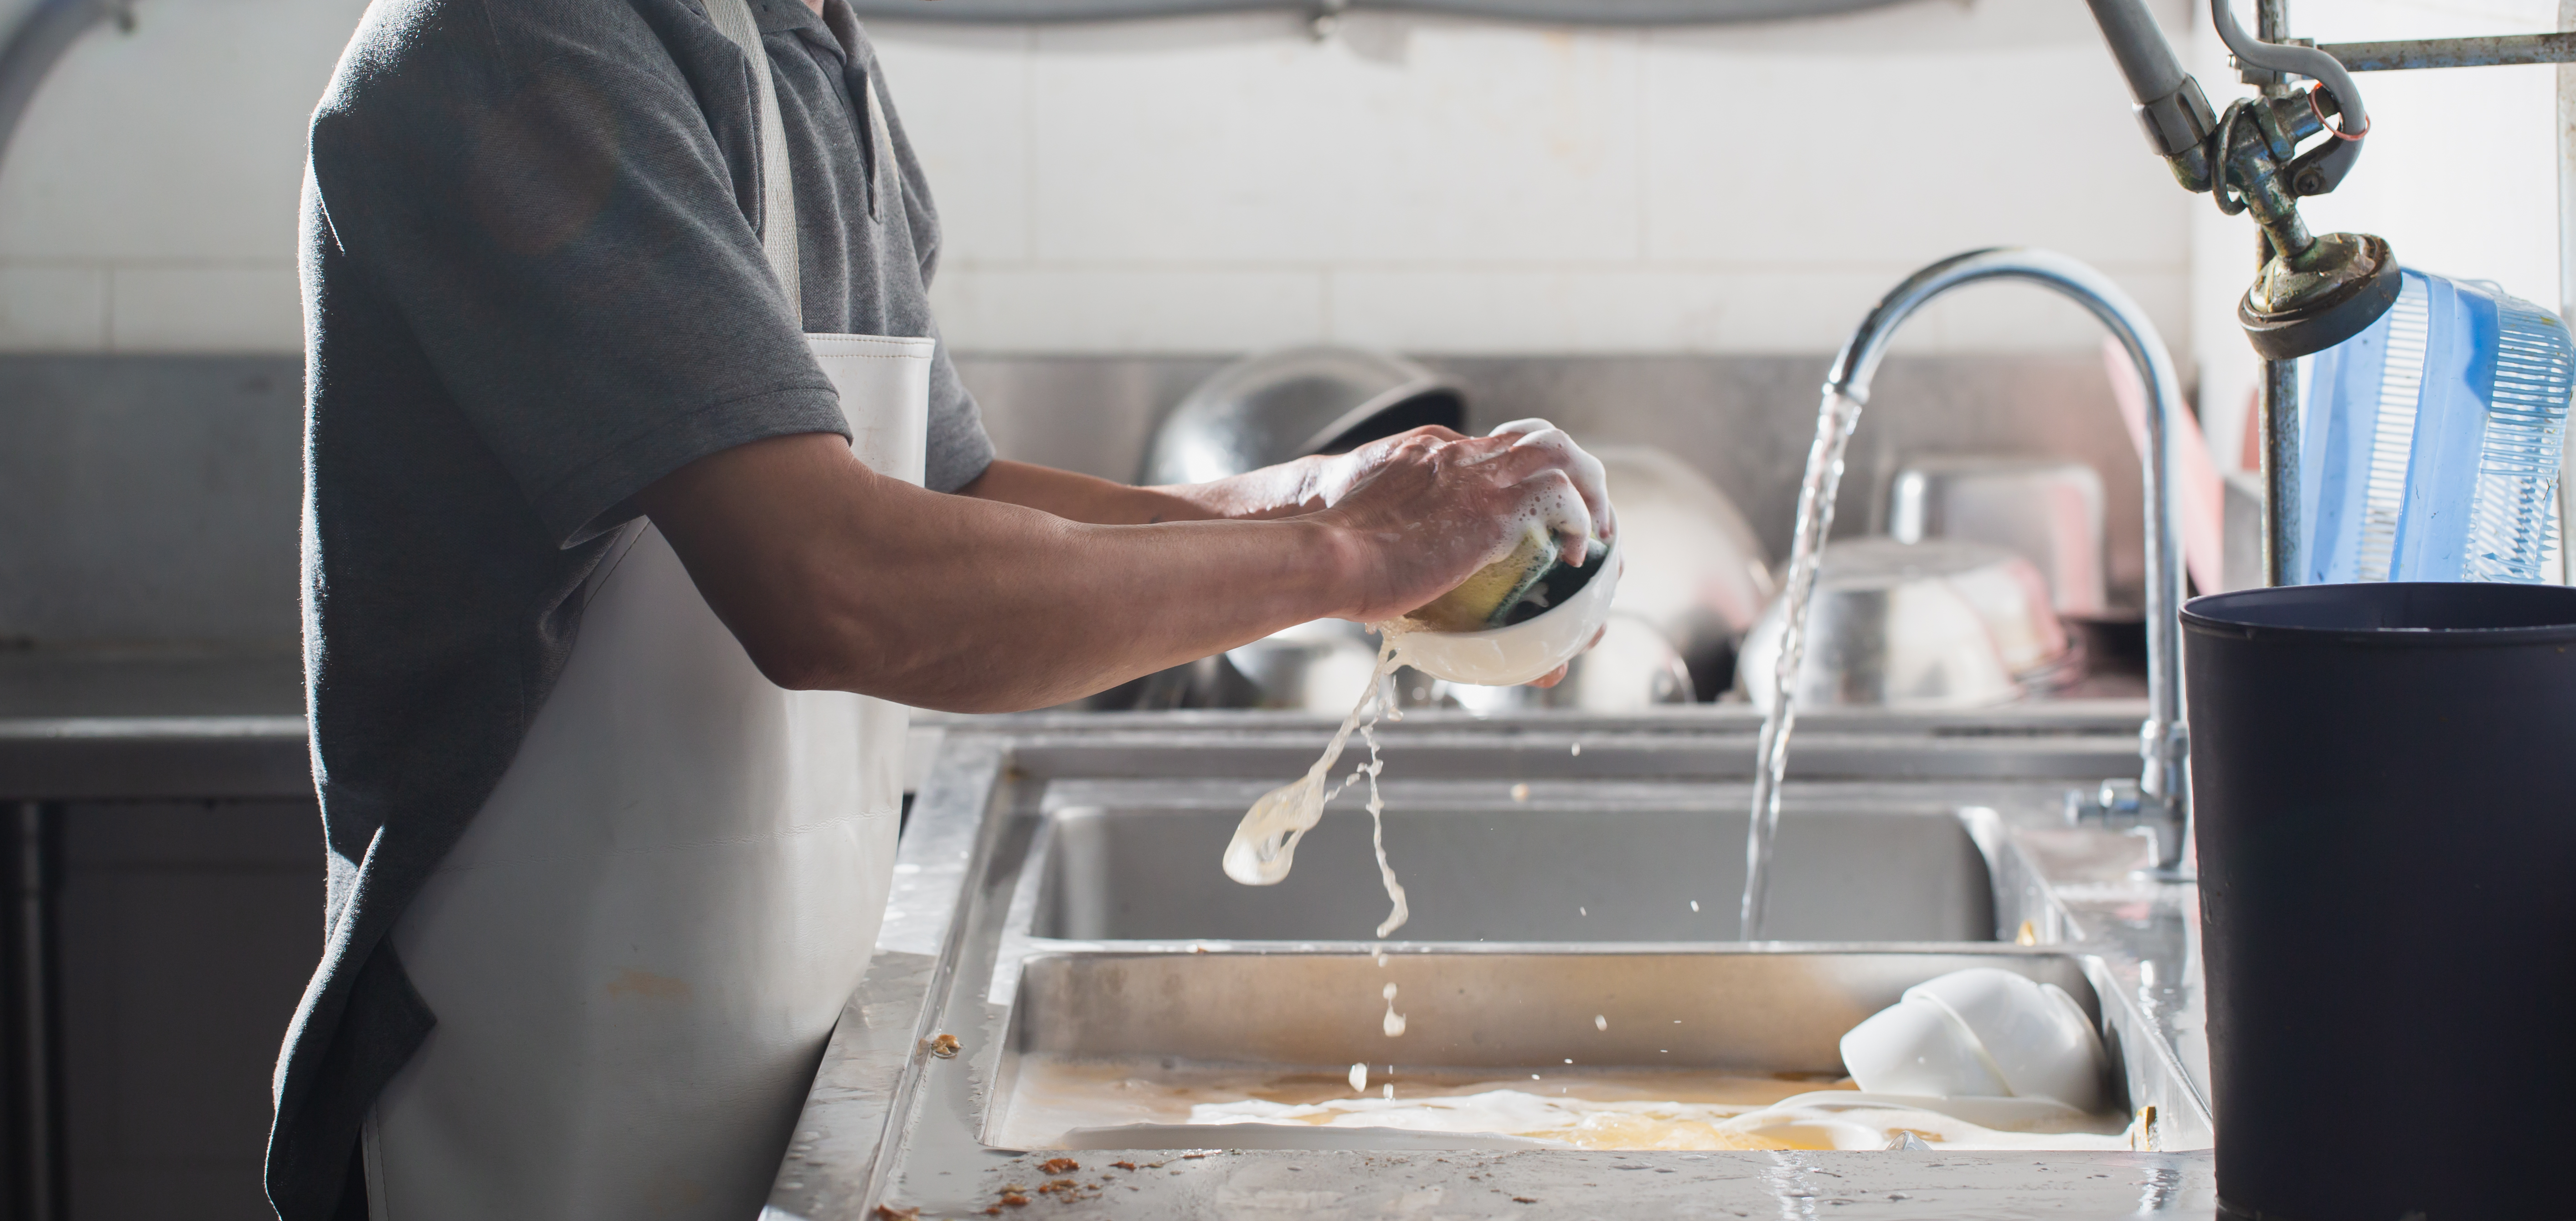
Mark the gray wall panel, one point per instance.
(150, 498)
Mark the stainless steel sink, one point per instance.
(1648, 866)
(1747, 1012)
(1059, 894)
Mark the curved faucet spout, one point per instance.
(2164, 785)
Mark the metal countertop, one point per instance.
(146, 725)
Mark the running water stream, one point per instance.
(1836, 417)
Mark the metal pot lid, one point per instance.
(1278, 406)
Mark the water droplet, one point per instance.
(1359, 1076)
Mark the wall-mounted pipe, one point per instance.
(2484, 52)
(1554, 12)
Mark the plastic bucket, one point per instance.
(2384, 782)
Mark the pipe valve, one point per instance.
(2314, 292)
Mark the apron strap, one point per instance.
(777, 185)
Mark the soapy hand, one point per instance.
(1433, 506)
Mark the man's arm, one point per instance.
(833, 576)
(1273, 492)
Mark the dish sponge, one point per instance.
(1485, 599)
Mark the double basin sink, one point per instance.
(1573, 886)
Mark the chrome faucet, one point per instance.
(2160, 799)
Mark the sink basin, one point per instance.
(1499, 1015)
(1568, 871)
(1058, 904)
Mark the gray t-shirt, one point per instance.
(533, 285)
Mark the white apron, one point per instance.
(639, 947)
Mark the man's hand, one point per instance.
(1438, 506)
(1327, 480)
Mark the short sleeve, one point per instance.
(535, 188)
(959, 448)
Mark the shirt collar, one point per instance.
(772, 16)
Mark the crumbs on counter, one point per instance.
(888, 1212)
(1067, 1190)
(946, 1047)
(1124, 1165)
(1061, 1165)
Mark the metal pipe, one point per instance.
(2267, 51)
(1552, 12)
(2489, 51)
(2163, 742)
(2277, 393)
(2138, 44)
(35, 1059)
(2272, 21)
(2277, 416)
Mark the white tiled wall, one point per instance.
(1447, 185)
(147, 202)
(1211, 185)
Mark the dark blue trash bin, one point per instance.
(2384, 778)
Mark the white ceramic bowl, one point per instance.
(1510, 656)
(1634, 668)
(1915, 1048)
(1981, 1032)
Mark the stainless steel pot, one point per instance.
(1282, 405)
(1696, 571)
(2048, 511)
(1929, 625)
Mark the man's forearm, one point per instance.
(834, 577)
(1262, 495)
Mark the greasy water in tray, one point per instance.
(1065, 1103)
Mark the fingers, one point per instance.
(1557, 675)
(1569, 521)
(1551, 444)
(1428, 434)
